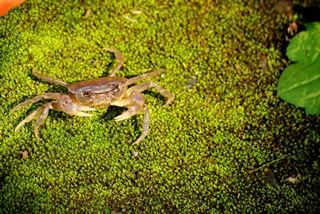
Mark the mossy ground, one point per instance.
(201, 150)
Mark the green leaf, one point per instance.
(299, 84)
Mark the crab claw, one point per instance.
(66, 105)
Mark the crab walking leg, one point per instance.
(145, 126)
(69, 108)
(144, 86)
(143, 76)
(119, 56)
(54, 96)
(49, 79)
(30, 117)
(41, 119)
(135, 104)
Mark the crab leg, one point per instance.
(119, 56)
(54, 96)
(49, 79)
(41, 119)
(63, 104)
(145, 125)
(143, 76)
(144, 86)
(33, 115)
(135, 104)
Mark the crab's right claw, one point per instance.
(66, 105)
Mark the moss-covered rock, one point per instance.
(228, 144)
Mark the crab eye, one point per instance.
(113, 86)
(117, 90)
(88, 93)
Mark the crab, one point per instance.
(97, 93)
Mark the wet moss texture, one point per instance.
(227, 144)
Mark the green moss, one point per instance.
(200, 151)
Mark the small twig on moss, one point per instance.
(267, 164)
